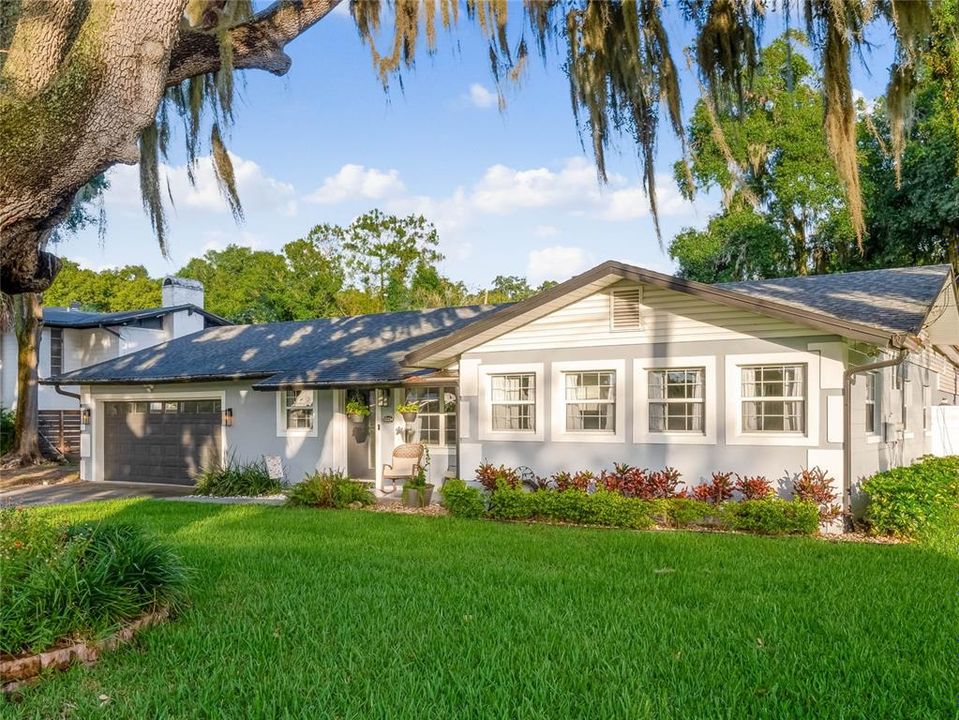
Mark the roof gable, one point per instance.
(852, 305)
(82, 319)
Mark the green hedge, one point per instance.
(461, 500)
(914, 501)
(771, 516)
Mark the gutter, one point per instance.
(847, 380)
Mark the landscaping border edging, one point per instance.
(24, 669)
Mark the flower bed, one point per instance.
(639, 498)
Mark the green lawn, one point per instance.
(341, 614)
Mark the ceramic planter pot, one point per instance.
(357, 418)
(417, 497)
(409, 417)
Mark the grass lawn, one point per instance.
(338, 614)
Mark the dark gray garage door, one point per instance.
(160, 441)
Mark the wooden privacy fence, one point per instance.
(61, 428)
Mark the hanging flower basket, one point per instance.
(409, 411)
(357, 411)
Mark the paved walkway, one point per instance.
(74, 492)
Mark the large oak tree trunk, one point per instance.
(79, 83)
(28, 321)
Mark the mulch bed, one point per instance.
(21, 670)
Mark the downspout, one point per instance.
(67, 393)
(847, 379)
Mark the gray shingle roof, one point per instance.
(324, 352)
(67, 318)
(896, 300)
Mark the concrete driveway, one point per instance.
(80, 491)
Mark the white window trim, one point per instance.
(734, 391)
(282, 430)
(486, 431)
(876, 435)
(641, 370)
(558, 431)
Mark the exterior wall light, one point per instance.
(228, 417)
(84, 415)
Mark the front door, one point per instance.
(361, 443)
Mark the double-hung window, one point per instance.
(590, 401)
(873, 403)
(437, 414)
(676, 400)
(298, 410)
(56, 351)
(513, 402)
(774, 398)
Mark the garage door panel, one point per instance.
(160, 441)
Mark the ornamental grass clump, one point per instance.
(79, 582)
(236, 479)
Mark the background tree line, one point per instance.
(378, 263)
(784, 210)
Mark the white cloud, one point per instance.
(219, 239)
(559, 262)
(356, 181)
(480, 96)
(545, 231)
(259, 193)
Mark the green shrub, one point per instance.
(686, 513)
(246, 479)
(80, 581)
(329, 489)
(7, 431)
(462, 500)
(772, 516)
(914, 501)
(575, 506)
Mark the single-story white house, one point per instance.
(72, 338)
(618, 364)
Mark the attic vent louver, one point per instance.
(624, 311)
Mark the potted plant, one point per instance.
(357, 411)
(417, 492)
(408, 410)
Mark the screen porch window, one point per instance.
(56, 351)
(873, 387)
(437, 414)
(298, 409)
(513, 402)
(676, 401)
(590, 401)
(774, 398)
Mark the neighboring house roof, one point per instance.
(882, 307)
(81, 319)
(329, 352)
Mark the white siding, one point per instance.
(667, 316)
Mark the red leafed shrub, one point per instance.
(565, 480)
(814, 485)
(717, 490)
(753, 487)
(490, 476)
(662, 484)
(626, 480)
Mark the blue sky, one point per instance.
(512, 193)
